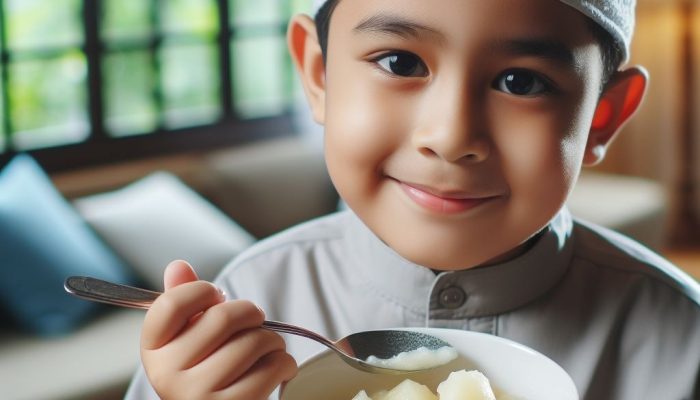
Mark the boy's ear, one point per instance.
(308, 59)
(620, 99)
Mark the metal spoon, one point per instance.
(353, 349)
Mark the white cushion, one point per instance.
(158, 219)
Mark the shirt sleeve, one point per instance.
(140, 388)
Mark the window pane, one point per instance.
(129, 103)
(190, 83)
(48, 101)
(43, 23)
(189, 16)
(126, 19)
(300, 6)
(255, 11)
(259, 76)
(2, 114)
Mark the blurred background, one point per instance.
(91, 83)
(84, 80)
(103, 93)
(662, 142)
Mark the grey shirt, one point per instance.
(622, 321)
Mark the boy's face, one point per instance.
(456, 129)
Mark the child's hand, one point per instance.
(195, 345)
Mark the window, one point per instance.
(90, 81)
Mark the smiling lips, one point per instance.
(441, 202)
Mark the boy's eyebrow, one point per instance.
(396, 25)
(548, 49)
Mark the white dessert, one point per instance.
(466, 385)
(421, 358)
(460, 385)
(361, 395)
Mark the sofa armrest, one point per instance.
(633, 206)
(95, 362)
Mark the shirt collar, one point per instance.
(487, 290)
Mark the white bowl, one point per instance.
(512, 369)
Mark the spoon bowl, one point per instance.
(359, 350)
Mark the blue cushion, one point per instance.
(43, 240)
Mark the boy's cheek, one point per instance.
(365, 124)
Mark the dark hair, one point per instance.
(323, 23)
(611, 54)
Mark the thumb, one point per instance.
(177, 273)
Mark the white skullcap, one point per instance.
(615, 16)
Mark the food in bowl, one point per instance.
(421, 358)
(510, 367)
(460, 385)
(406, 390)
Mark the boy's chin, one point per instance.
(440, 258)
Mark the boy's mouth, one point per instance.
(444, 202)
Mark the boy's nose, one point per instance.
(453, 135)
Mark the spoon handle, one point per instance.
(299, 331)
(110, 293)
(128, 296)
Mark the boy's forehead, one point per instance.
(615, 16)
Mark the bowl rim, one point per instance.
(569, 382)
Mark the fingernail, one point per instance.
(261, 310)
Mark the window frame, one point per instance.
(101, 148)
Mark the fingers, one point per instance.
(174, 309)
(260, 380)
(225, 322)
(219, 376)
(177, 273)
(234, 361)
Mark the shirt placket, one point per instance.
(449, 306)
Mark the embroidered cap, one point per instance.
(615, 16)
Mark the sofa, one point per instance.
(207, 212)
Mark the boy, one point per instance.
(454, 131)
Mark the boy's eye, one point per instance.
(402, 64)
(521, 83)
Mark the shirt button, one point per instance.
(452, 297)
